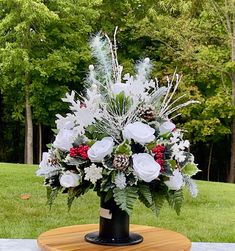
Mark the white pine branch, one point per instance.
(181, 106)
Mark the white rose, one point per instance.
(64, 139)
(121, 87)
(100, 149)
(175, 182)
(139, 132)
(166, 127)
(69, 179)
(145, 166)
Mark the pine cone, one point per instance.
(121, 161)
(148, 113)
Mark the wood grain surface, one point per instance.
(72, 239)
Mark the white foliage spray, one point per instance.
(167, 107)
(83, 113)
(111, 111)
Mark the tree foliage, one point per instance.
(44, 51)
(43, 47)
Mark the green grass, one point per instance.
(210, 217)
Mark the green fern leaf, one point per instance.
(51, 195)
(70, 202)
(158, 201)
(71, 197)
(125, 198)
(145, 195)
(175, 199)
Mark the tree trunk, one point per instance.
(39, 142)
(228, 20)
(209, 163)
(231, 176)
(25, 141)
(28, 131)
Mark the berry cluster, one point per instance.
(79, 151)
(159, 155)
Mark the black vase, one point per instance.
(114, 227)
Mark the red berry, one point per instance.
(79, 151)
(160, 162)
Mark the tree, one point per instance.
(203, 58)
(225, 12)
(43, 47)
(173, 34)
(22, 26)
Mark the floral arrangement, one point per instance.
(119, 138)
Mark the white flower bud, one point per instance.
(91, 67)
(147, 60)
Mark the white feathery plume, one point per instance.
(92, 79)
(144, 69)
(101, 51)
(92, 76)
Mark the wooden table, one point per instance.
(72, 239)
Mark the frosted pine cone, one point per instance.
(147, 113)
(121, 161)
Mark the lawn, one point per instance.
(208, 218)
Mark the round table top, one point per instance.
(71, 238)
